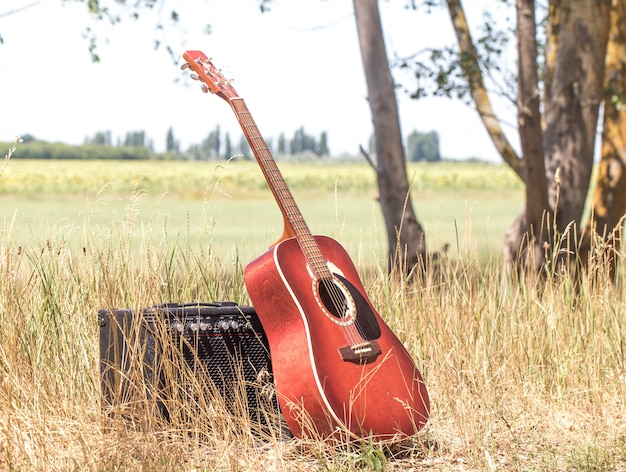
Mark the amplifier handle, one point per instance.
(162, 306)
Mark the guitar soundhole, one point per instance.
(336, 300)
(345, 305)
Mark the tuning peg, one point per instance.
(185, 66)
(194, 76)
(225, 82)
(204, 87)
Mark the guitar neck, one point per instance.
(294, 221)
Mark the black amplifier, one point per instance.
(181, 361)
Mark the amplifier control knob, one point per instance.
(203, 326)
(224, 325)
(178, 326)
(193, 327)
(234, 324)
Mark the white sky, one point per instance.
(298, 65)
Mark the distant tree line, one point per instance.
(217, 145)
(423, 147)
(136, 145)
(32, 148)
(133, 139)
(419, 147)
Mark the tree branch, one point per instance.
(472, 71)
(17, 10)
(368, 158)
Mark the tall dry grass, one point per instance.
(521, 377)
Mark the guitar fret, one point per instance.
(279, 188)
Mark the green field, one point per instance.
(227, 204)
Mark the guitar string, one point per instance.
(305, 239)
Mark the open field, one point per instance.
(227, 204)
(520, 378)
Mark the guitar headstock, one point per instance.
(212, 79)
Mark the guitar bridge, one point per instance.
(361, 353)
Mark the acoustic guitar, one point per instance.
(339, 370)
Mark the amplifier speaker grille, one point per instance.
(180, 361)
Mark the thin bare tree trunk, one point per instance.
(407, 247)
(525, 241)
(529, 116)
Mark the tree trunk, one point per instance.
(525, 240)
(609, 198)
(407, 246)
(572, 105)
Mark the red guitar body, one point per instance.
(320, 393)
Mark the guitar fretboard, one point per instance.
(282, 194)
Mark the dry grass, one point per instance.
(520, 377)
